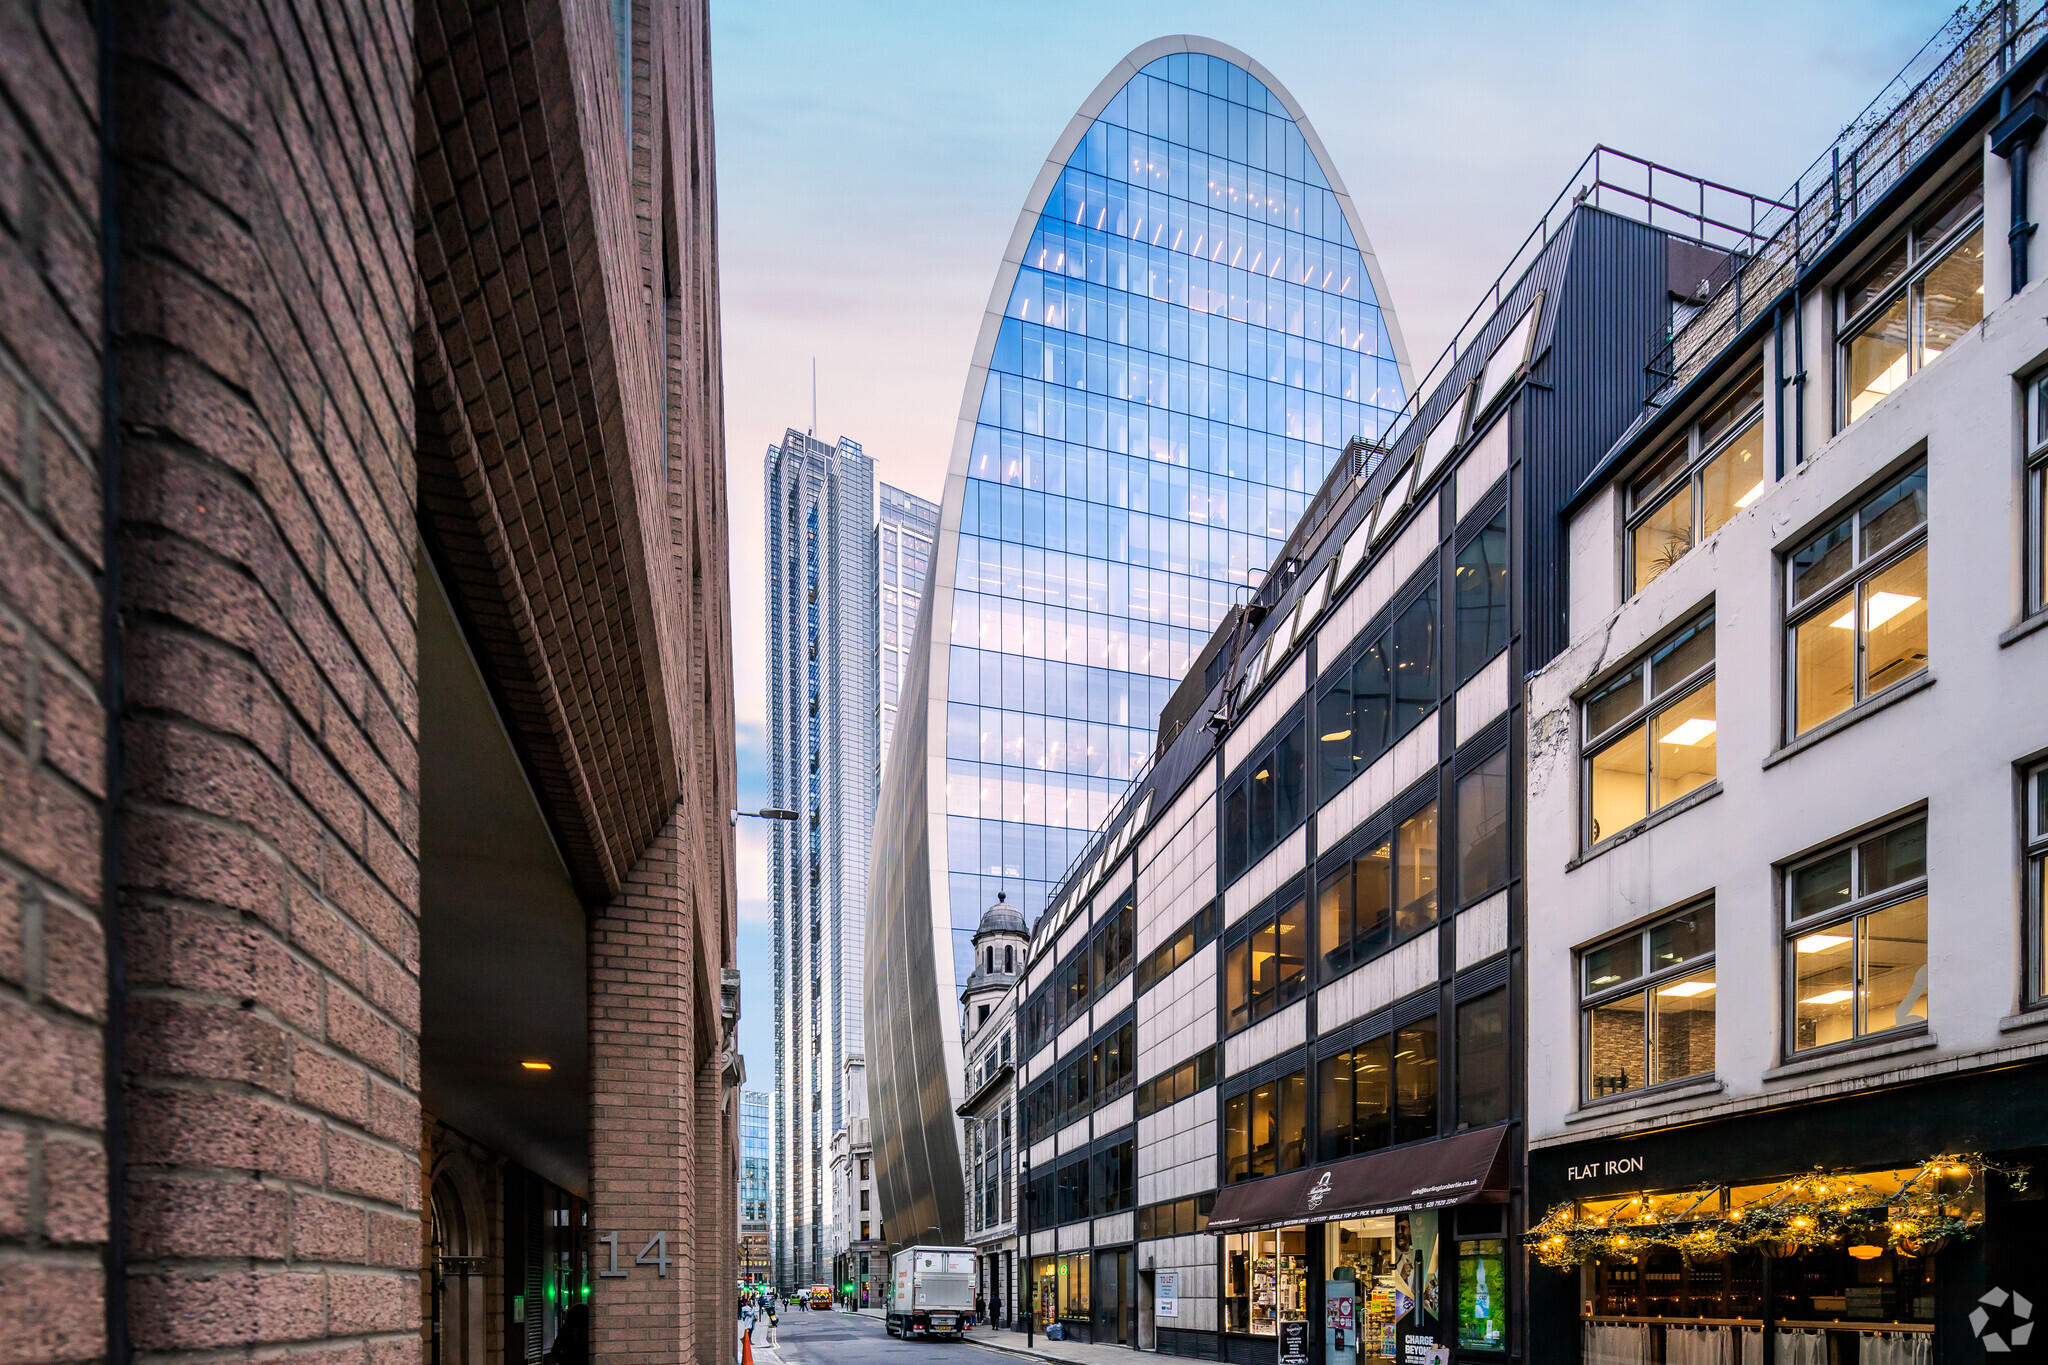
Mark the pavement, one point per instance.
(859, 1338)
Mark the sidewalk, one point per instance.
(1066, 1352)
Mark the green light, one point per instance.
(551, 1291)
(586, 1292)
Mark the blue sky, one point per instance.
(873, 158)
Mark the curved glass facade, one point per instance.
(1186, 330)
(1191, 337)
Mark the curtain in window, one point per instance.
(1609, 1343)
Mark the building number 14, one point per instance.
(655, 1253)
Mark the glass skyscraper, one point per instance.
(905, 526)
(819, 508)
(1186, 329)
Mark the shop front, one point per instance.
(1092, 1295)
(1896, 1227)
(1397, 1256)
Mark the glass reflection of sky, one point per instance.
(1188, 345)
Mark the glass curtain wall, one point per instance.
(1190, 341)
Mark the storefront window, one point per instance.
(1265, 1280)
(1363, 1250)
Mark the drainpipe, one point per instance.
(114, 1258)
(2020, 123)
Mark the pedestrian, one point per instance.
(980, 1307)
(995, 1309)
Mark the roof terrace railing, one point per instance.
(1716, 216)
(1956, 67)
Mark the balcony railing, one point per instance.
(1969, 54)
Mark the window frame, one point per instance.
(1648, 978)
(1265, 918)
(1862, 567)
(2034, 877)
(1701, 451)
(1392, 1119)
(1921, 261)
(1860, 905)
(1423, 594)
(1653, 703)
(1293, 726)
(1387, 829)
(1304, 1144)
(2035, 495)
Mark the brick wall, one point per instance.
(53, 1196)
(270, 877)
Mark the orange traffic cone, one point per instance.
(746, 1348)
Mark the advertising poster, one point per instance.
(1166, 1294)
(1294, 1342)
(1482, 1294)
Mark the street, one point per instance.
(837, 1338)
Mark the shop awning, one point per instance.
(1466, 1169)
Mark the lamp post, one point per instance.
(1030, 1269)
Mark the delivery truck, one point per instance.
(931, 1291)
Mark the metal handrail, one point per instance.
(1955, 68)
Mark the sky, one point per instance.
(873, 159)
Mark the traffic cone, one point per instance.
(746, 1348)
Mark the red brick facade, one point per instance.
(381, 284)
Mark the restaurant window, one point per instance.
(1378, 695)
(1695, 485)
(1919, 296)
(1172, 1086)
(1264, 802)
(1264, 1129)
(1856, 938)
(1480, 597)
(1189, 939)
(1265, 1280)
(1267, 969)
(1483, 1060)
(1649, 732)
(1378, 1093)
(2037, 496)
(1646, 1005)
(1856, 604)
(2034, 793)
(1379, 895)
(1483, 829)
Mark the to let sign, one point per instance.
(1166, 1294)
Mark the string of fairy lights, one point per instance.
(1940, 1201)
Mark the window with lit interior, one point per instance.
(2035, 821)
(1697, 483)
(1646, 1005)
(1648, 733)
(1919, 296)
(2037, 495)
(1856, 938)
(1856, 604)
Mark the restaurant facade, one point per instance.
(1787, 830)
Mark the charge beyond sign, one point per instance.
(1628, 1165)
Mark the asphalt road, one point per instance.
(851, 1339)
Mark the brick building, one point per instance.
(366, 881)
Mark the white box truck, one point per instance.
(932, 1291)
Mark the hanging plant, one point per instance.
(1824, 1208)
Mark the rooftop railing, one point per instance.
(1955, 68)
(1725, 220)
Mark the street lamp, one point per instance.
(765, 813)
(1030, 1269)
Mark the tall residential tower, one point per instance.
(820, 519)
(904, 532)
(1185, 330)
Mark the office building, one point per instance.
(905, 527)
(819, 508)
(988, 1039)
(860, 1252)
(1786, 789)
(1186, 328)
(367, 913)
(757, 1108)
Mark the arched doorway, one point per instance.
(456, 1263)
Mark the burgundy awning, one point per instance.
(1465, 1169)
